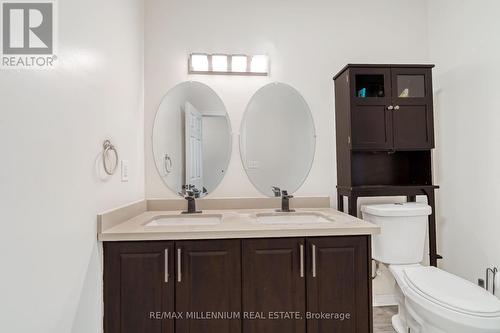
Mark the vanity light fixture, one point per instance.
(199, 62)
(219, 63)
(259, 64)
(239, 63)
(228, 64)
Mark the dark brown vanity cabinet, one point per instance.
(138, 281)
(385, 107)
(320, 276)
(274, 280)
(148, 284)
(208, 280)
(338, 282)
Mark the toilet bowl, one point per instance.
(435, 301)
(430, 300)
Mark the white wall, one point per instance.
(463, 39)
(52, 124)
(307, 41)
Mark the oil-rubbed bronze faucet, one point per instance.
(190, 193)
(285, 199)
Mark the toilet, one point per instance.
(430, 300)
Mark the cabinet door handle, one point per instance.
(301, 249)
(179, 265)
(166, 266)
(313, 260)
(396, 107)
(390, 107)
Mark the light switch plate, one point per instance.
(124, 170)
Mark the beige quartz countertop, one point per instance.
(236, 223)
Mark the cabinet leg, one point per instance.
(340, 202)
(353, 206)
(370, 284)
(432, 229)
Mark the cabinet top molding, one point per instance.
(383, 66)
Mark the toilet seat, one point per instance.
(435, 301)
(451, 292)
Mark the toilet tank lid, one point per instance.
(398, 209)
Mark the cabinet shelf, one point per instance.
(402, 187)
(391, 168)
(386, 190)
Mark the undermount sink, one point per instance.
(292, 218)
(179, 220)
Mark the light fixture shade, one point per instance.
(259, 64)
(219, 63)
(199, 62)
(239, 63)
(228, 64)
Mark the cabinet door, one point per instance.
(371, 120)
(338, 282)
(208, 275)
(413, 114)
(137, 284)
(273, 280)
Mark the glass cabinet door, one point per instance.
(371, 118)
(410, 85)
(370, 85)
(412, 108)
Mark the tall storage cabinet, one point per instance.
(385, 135)
(390, 108)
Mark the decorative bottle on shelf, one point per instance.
(362, 93)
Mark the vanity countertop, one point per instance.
(236, 223)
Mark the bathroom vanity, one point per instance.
(235, 265)
(260, 270)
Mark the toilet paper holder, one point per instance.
(491, 271)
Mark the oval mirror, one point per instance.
(277, 139)
(191, 139)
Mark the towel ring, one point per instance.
(167, 164)
(107, 148)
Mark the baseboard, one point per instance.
(384, 300)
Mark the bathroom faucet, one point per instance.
(285, 199)
(190, 195)
(276, 190)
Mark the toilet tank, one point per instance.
(403, 230)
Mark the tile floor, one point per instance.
(382, 318)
